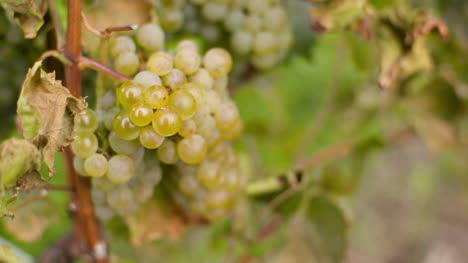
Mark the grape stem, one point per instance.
(85, 224)
(85, 62)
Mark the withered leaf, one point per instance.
(46, 110)
(26, 13)
(17, 158)
(153, 220)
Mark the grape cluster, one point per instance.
(176, 111)
(256, 29)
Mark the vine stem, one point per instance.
(86, 226)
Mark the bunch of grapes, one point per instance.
(255, 29)
(175, 111)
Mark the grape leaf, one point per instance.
(17, 157)
(325, 222)
(26, 13)
(46, 111)
(7, 256)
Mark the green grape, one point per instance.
(102, 183)
(127, 63)
(174, 79)
(234, 20)
(129, 93)
(213, 100)
(188, 128)
(264, 43)
(150, 37)
(147, 79)
(258, 6)
(120, 169)
(142, 191)
(121, 146)
(124, 128)
(188, 185)
(152, 174)
(171, 19)
(210, 33)
(214, 11)
(167, 152)
(187, 44)
(141, 114)
(226, 115)
(264, 62)
(221, 87)
(192, 149)
(203, 78)
(85, 144)
(188, 61)
(186, 169)
(196, 91)
(252, 24)
(156, 96)
(104, 212)
(233, 132)
(98, 196)
(86, 121)
(241, 42)
(218, 199)
(231, 180)
(108, 99)
(149, 138)
(138, 157)
(160, 63)
(78, 164)
(208, 174)
(218, 62)
(166, 122)
(120, 199)
(109, 116)
(96, 165)
(122, 44)
(183, 103)
(276, 18)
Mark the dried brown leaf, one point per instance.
(46, 110)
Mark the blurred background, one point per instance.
(365, 120)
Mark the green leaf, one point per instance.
(46, 110)
(323, 224)
(7, 256)
(17, 157)
(26, 14)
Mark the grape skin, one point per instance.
(167, 152)
(86, 121)
(141, 114)
(166, 122)
(120, 169)
(127, 63)
(218, 62)
(96, 165)
(124, 127)
(122, 44)
(151, 37)
(147, 79)
(149, 138)
(160, 63)
(85, 144)
(192, 149)
(121, 146)
(156, 97)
